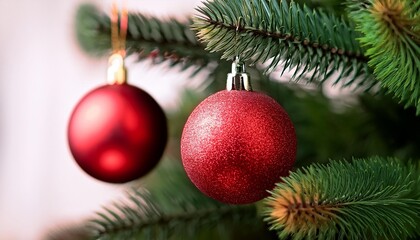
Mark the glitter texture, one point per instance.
(236, 145)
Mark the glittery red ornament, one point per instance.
(117, 133)
(236, 145)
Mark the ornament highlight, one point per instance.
(237, 144)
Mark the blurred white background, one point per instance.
(43, 74)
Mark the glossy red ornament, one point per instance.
(236, 145)
(117, 133)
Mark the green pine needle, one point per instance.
(391, 31)
(147, 37)
(171, 208)
(365, 199)
(312, 41)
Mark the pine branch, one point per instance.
(171, 208)
(148, 221)
(392, 35)
(364, 199)
(314, 42)
(147, 37)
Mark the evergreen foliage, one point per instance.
(172, 208)
(365, 199)
(372, 198)
(391, 34)
(149, 38)
(311, 41)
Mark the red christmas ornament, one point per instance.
(117, 133)
(237, 144)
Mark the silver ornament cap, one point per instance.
(238, 79)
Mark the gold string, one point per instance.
(117, 73)
(119, 34)
(123, 30)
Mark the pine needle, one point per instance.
(169, 41)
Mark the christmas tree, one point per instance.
(357, 173)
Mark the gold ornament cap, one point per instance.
(117, 73)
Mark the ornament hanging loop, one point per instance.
(238, 25)
(117, 73)
(238, 78)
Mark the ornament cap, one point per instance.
(238, 79)
(117, 73)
